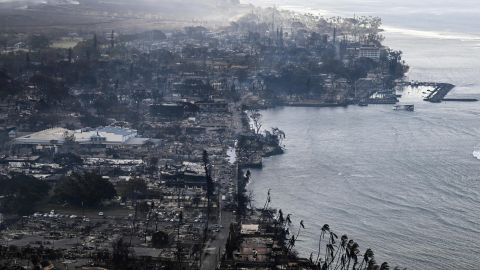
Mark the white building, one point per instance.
(369, 51)
(100, 135)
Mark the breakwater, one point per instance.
(439, 93)
(461, 99)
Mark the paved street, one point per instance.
(215, 247)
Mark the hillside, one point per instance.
(88, 15)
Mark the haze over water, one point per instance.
(404, 184)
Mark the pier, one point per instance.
(439, 93)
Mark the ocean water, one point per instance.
(404, 184)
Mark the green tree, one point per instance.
(38, 42)
(68, 159)
(21, 193)
(133, 189)
(88, 189)
(53, 88)
(8, 86)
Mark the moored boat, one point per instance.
(476, 151)
(363, 103)
(404, 107)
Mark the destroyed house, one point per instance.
(173, 109)
(188, 174)
(212, 106)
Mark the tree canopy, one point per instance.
(21, 193)
(133, 189)
(88, 189)
(38, 42)
(68, 159)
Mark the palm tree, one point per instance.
(294, 238)
(385, 266)
(291, 243)
(210, 188)
(148, 218)
(367, 257)
(288, 220)
(179, 249)
(280, 217)
(342, 249)
(372, 265)
(352, 254)
(325, 229)
(330, 249)
(267, 202)
(299, 228)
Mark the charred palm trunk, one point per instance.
(209, 184)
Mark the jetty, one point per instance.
(437, 95)
(439, 92)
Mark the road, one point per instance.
(214, 248)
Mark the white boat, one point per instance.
(476, 151)
(404, 107)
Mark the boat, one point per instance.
(362, 103)
(404, 107)
(476, 151)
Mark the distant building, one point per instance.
(12, 134)
(218, 106)
(187, 174)
(364, 51)
(369, 51)
(173, 109)
(193, 174)
(249, 229)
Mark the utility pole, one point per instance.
(219, 207)
(273, 18)
(112, 39)
(334, 35)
